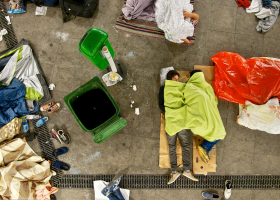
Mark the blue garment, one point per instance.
(209, 145)
(12, 102)
(267, 3)
(112, 191)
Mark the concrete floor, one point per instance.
(222, 27)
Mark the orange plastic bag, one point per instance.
(238, 79)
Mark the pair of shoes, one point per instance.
(227, 192)
(59, 164)
(175, 175)
(265, 12)
(209, 195)
(60, 136)
(203, 154)
(50, 107)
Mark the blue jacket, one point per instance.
(12, 102)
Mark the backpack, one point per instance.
(49, 3)
(81, 8)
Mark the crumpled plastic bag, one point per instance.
(238, 79)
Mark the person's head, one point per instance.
(194, 71)
(173, 75)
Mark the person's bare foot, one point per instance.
(186, 41)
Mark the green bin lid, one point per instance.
(92, 41)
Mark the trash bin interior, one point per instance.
(93, 108)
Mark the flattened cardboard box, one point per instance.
(199, 166)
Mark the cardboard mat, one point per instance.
(199, 166)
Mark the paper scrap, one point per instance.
(3, 32)
(137, 111)
(8, 19)
(51, 86)
(41, 10)
(134, 87)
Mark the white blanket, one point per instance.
(170, 18)
(264, 117)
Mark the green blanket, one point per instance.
(193, 105)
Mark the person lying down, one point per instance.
(174, 17)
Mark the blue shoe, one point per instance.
(61, 165)
(60, 151)
(208, 195)
(25, 126)
(42, 121)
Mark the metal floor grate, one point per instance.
(47, 148)
(140, 181)
(10, 38)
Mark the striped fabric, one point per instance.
(145, 28)
(22, 171)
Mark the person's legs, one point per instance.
(184, 137)
(209, 145)
(173, 157)
(172, 151)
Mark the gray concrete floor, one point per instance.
(222, 27)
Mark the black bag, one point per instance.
(81, 8)
(49, 3)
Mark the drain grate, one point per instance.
(140, 181)
(10, 38)
(47, 148)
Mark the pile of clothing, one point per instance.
(253, 83)
(266, 10)
(23, 174)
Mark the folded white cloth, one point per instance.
(100, 185)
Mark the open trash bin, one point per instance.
(95, 110)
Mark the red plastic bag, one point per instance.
(237, 79)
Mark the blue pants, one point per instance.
(209, 145)
(267, 3)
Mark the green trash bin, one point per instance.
(91, 45)
(95, 110)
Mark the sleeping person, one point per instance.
(175, 18)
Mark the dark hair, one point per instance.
(172, 73)
(194, 71)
